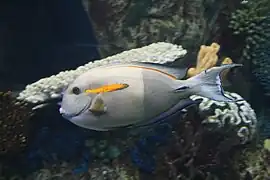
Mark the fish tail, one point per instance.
(208, 83)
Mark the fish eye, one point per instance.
(76, 90)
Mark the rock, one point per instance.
(124, 24)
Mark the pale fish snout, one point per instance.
(61, 111)
(64, 113)
(74, 105)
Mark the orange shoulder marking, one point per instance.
(107, 88)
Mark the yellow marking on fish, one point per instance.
(107, 88)
(171, 76)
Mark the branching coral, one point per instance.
(14, 121)
(252, 23)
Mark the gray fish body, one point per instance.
(151, 91)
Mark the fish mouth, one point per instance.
(67, 115)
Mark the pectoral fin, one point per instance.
(98, 106)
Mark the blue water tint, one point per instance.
(143, 153)
(64, 143)
(143, 160)
(53, 141)
(84, 165)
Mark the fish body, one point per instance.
(120, 95)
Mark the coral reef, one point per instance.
(176, 149)
(185, 149)
(201, 144)
(252, 24)
(103, 150)
(237, 114)
(195, 152)
(254, 162)
(52, 87)
(127, 24)
(144, 149)
(66, 151)
(14, 123)
(97, 171)
(115, 171)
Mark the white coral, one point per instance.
(51, 87)
(238, 114)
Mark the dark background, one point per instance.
(39, 38)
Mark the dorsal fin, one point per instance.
(178, 73)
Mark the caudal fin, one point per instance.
(208, 83)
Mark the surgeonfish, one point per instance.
(120, 95)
